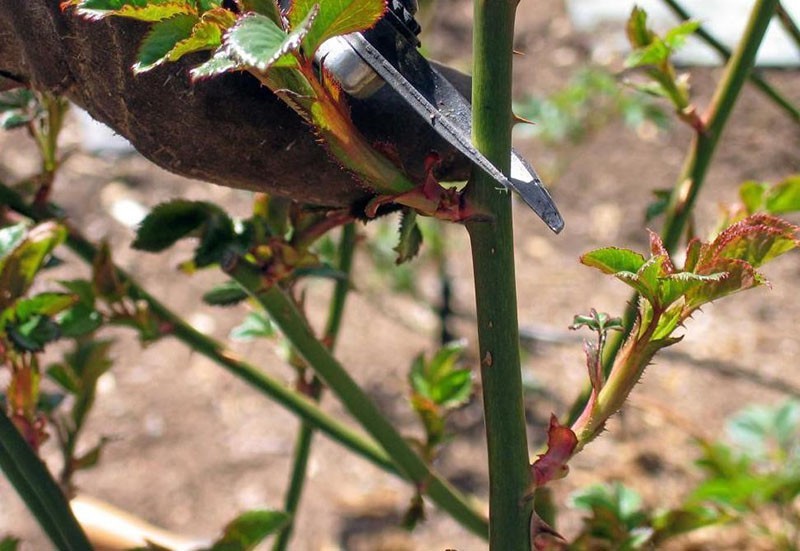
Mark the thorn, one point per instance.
(521, 120)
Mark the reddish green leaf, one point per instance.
(156, 11)
(336, 17)
(161, 39)
(206, 34)
(268, 8)
(756, 240)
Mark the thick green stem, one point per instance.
(698, 159)
(302, 449)
(495, 285)
(726, 54)
(34, 483)
(292, 324)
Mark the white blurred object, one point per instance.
(604, 24)
(96, 137)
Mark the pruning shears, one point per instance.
(363, 63)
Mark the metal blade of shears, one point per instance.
(456, 129)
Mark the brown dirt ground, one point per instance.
(193, 446)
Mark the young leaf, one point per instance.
(336, 17)
(161, 39)
(9, 543)
(636, 28)
(254, 326)
(156, 11)
(249, 529)
(20, 265)
(410, 237)
(676, 37)
(225, 294)
(257, 41)
(784, 197)
(206, 34)
(612, 260)
(43, 304)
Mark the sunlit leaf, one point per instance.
(254, 326)
(784, 197)
(257, 41)
(43, 304)
(206, 34)
(756, 240)
(612, 260)
(161, 39)
(676, 37)
(336, 17)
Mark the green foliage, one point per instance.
(169, 222)
(18, 108)
(249, 529)
(653, 53)
(161, 39)
(780, 198)
(617, 519)
(255, 326)
(22, 254)
(590, 100)
(9, 543)
(438, 387)
(711, 271)
(410, 237)
(258, 42)
(336, 17)
(225, 294)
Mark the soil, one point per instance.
(192, 446)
